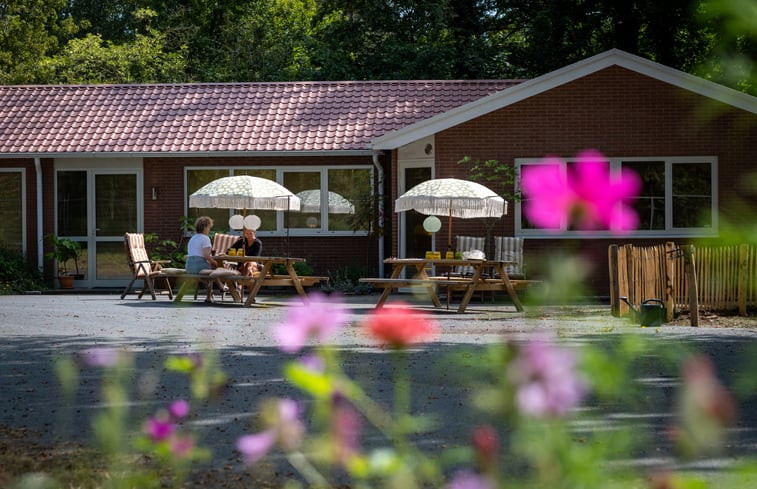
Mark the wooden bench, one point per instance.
(191, 281)
(395, 283)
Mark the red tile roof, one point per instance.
(233, 117)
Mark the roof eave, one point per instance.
(548, 81)
(184, 154)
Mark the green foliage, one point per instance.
(301, 267)
(347, 280)
(17, 275)
(168, 249)
(64, 250)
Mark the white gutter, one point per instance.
(380, 213)
(40, 238)
(184, 154)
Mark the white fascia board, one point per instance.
(155, 154)
(559, 77)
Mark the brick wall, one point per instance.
(620, 113)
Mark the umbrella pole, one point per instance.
(449, 229)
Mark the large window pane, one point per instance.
(692, 195)
(351, 205)
(297, 182)
(195, 180)
(11, 211)
(72, 203)
(267, 218)
(525, 223)
(115, 204)
(650, 203)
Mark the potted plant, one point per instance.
(65, 250)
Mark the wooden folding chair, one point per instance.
(142, 267)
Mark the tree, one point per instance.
(29, 29)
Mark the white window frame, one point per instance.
(22, 171)
(615, 164)
(281, 230)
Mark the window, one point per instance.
(677, 197)
(12, 210)
(330, 198)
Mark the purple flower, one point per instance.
(101, 356)
(466, 479)
(584, 196)
(159, 428)
(284, 427)
(320, 318)
(545, 382)
(313, 363)
(255, 447)
(178, 409)
(346, 427)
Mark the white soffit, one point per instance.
(559, 77)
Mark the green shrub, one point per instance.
(347, 280)
(18, 275)
(301, 267)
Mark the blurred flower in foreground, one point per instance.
(346, 427)
(469, 480)
(163, 428)
(706, 409)
(285, 428)
(320, 318)
(585, 196)
(102, 356)
(399, 326)
(486, 445)
(545, 381)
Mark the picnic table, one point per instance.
(266, 278)
(477, 281)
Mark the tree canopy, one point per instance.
(149, 41)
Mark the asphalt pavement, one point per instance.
(35, 329)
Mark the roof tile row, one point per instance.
(238, 117)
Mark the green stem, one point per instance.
(401, 397)
(310, 473)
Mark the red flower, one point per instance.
(399, 326)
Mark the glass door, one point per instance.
(95, 208)
(414, 241)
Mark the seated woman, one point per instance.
(252, 246)
(199, 256)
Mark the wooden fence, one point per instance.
(723, 278)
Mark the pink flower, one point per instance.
(159, 428)
(346, 427)
(101, 356)
(544, 380)
(399, 326)
(255, 447)
(284, 427)
(585, 196)
(468, 480)
(178, 409)
(320, 318)
(182, 446)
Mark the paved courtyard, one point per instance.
(38, 328)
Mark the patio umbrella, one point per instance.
(452, 197)
(245, 192)
(310, 201)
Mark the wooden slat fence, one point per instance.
(726, 277)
